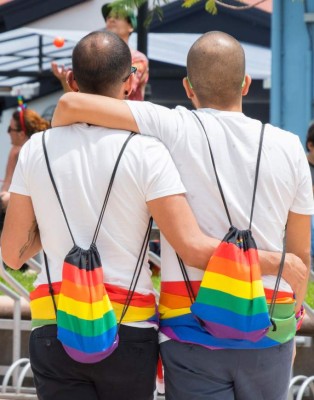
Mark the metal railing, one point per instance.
(14, 375)
(301, 386)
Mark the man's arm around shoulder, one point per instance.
(93, 109)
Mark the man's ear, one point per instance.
(128, 86)
(246, 85)
(188, 90)
(131, 29)
(71, 81)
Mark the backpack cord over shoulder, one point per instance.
(216, 174)
(281, 266)
(140, 260)
(110, 186)
(87, 325)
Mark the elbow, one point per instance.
(65, 102)
(11, 261)
(63, 108)
(189, 256)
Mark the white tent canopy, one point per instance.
(172, 48)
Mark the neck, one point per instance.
(220, 108)
(236, 106)
(25, 140)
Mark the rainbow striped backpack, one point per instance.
(86, 322)
(231, 302)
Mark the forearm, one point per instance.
(301, 294)
(15, 257)
(298, 242)
(295, 271)
(93, 109)
(269, 262)
(198, 249)
(20, 236)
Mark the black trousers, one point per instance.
(128, 373)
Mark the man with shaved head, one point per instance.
(216, 70)
(197, 364)
(82, 160)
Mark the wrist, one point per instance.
(299, 316)
(269, 262)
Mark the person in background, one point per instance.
(4, 194)
(23, 124)
(122, 22)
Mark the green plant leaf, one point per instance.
(210, 6)
(189, 3)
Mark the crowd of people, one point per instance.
(168, 170)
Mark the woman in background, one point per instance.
(23, 124)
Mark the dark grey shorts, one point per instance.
(193, 372)
(129, 373)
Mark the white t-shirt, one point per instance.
(284, 182)
(82, 159)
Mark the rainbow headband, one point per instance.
(21, 107)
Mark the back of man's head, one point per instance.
(216, 69)
(100, 62)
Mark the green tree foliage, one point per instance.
(210, 6)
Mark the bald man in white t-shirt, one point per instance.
(197, 364)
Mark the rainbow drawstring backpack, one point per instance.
(231, 302)
(86, 322)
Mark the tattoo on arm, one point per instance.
(32, 232)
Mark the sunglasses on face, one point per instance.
(133, 70)
(10, 129)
